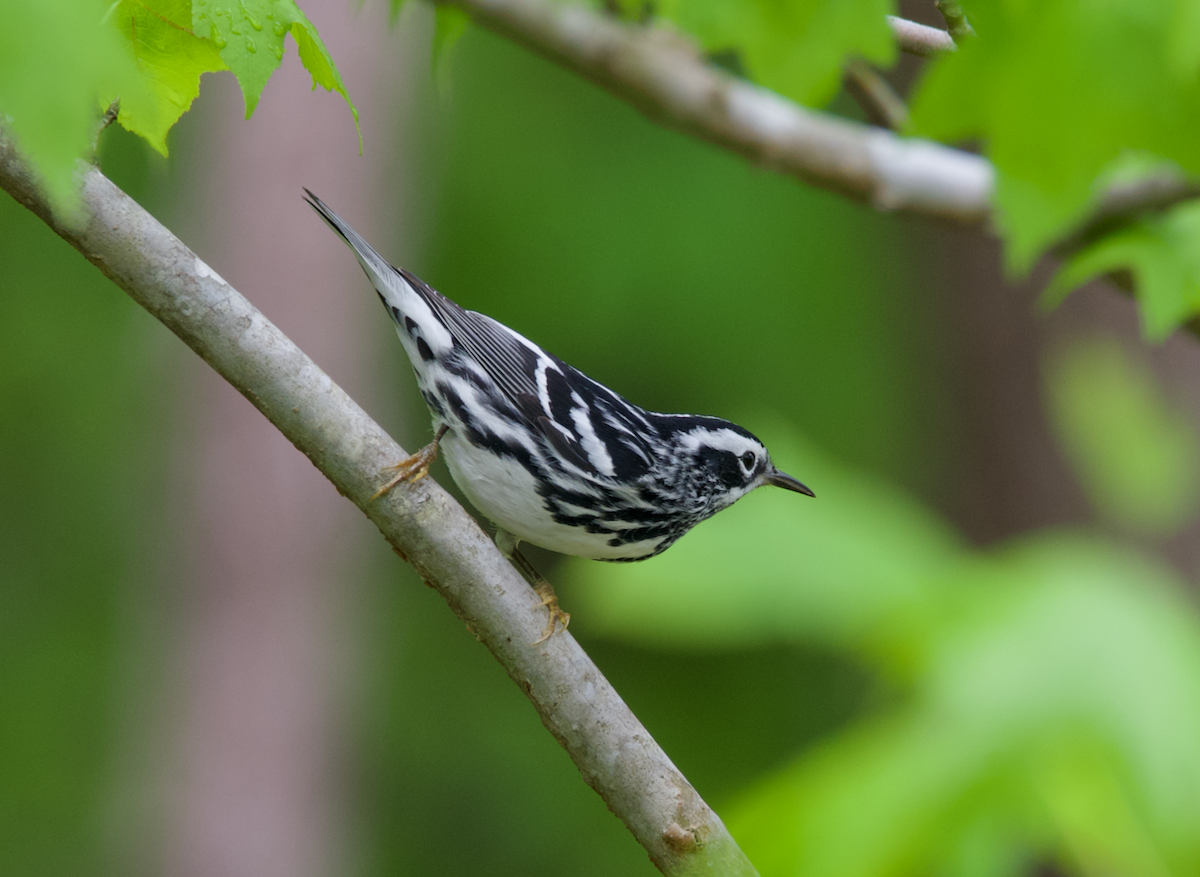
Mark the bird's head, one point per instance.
(726, 462)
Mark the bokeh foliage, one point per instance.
(1064, 97)
(858, 689)
(80, 448)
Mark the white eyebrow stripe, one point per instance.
(720, 439)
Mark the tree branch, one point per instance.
(664, 75)
(872, 92)
(920, 39)
(611, 748)
(661, 73)
(1126, 201)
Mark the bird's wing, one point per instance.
(555, 399)
(586, 424)
(510, 359)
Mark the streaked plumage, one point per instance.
(549, 455)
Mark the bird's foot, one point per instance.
(413, 469)
(507, 543)
(557, 616)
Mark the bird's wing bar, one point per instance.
(566, 445)
(513, 362)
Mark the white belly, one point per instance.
(506, 492)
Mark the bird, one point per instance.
(550, 456)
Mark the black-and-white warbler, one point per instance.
(549, 455)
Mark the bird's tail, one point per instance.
(413, 305)
(378, 269)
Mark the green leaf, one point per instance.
(63, 61)
(1058, 91)
(1056, 715)
(317, 61)
(58, 61)
(1163, 254)
(1185, 38)
(172, 59)
(1137, 457)
(249, 35)
(860, 564)
(795, 48)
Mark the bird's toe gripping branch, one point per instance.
(414, 468)
(558, 621)
(557, 616)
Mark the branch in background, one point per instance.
(611, 748)
(877, 98)
(1125, 202)
(664, 75)
(920, 39)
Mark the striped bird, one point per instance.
(546, 453)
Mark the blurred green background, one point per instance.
(920, 671)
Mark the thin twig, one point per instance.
(956, 20)
(920, 39)
(611, 748)
(1127, 202)
(109, 116)
(872, 92)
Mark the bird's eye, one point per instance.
(748, 461)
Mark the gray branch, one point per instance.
(613, 751)
(920, 39)
(664, 75)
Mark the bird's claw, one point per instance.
(411, 470)
(557, 615)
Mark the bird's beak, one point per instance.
(782, 479)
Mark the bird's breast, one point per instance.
(507, 492)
